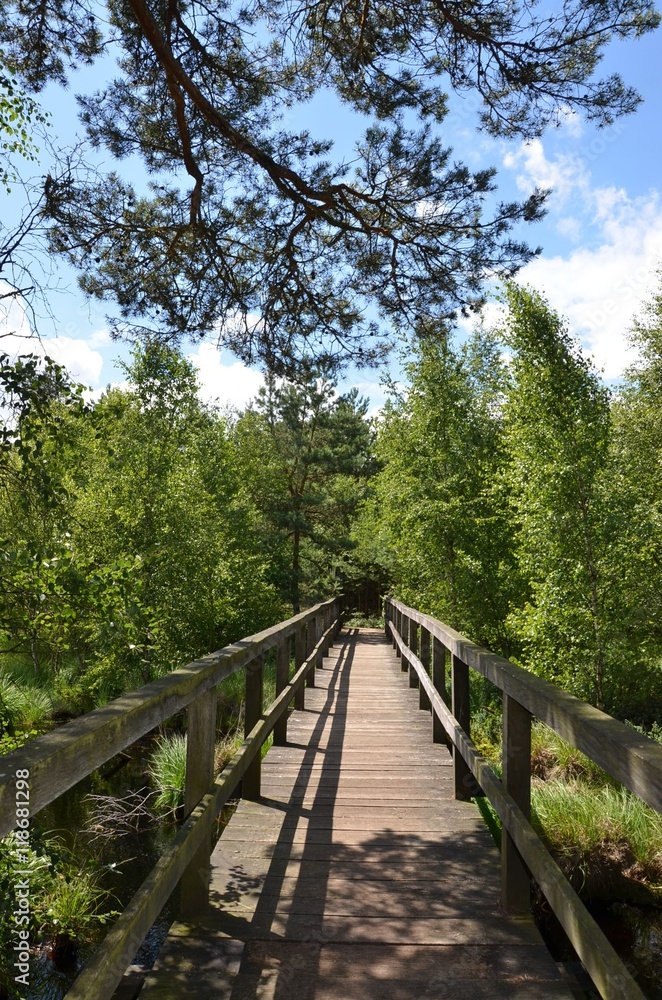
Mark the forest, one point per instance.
(503, 488)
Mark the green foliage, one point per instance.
(167, 770)
(600, 828)
(437, 519)
(63, 899)
(19, 113)
(130, 541)
(307, 460)
(249, 228)
(557, 432)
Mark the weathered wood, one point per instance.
(601, 961)
(200, 751)
(282, 680)
(311, 640)
(439, 734)
(515, 878)
(99, 979)
(413, 646)
(70, 752)
(464, 783)
(299, 658)
(253, 705)
(424, 655)
(306, 892)
(400, 625)
(632, 758)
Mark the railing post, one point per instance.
(465, 784)
(282, 680)
(326, 620)
(404, 632)
(387, 611)
(439, 734)
(312, 640)
(398, 626)
(200, 751)
(299, 657)
(252, 712)
(423, 700)
(413, 645)
(337, 610)
(515, 879)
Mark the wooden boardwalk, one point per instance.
(357, 876)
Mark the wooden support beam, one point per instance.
(399, 625)
(282, 680)
(413, 645)
(299, 657)
(200, 751)
(310, 645)
(439, 734)
(515, 878)
(465, 784)
(424, 656)
(250, 788)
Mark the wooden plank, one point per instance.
(439, 734)
(599, 958)
(252, 711)
(282, 680)
(299, 658)
(516, 779)
(102, 974)
(200, 751)
(423, 700)
(304, 874)
(311, 640)
(464, 781)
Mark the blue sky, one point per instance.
(601, 238)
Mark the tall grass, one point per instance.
(167, 769)
(605, 839)
(24, 706)
(553, 758)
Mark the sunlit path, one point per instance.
(357, 875)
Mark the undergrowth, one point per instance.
(605, 839)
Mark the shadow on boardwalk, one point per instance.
(356, 875)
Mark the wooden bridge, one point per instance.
(356, 865)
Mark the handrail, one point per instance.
(61, 758)
(107, 730)
(523, 851)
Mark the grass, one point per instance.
(357, 619)
(24, 706)
(606, 840)
(167, 769)
(554, 758)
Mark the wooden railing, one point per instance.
(56, 761)
(631, 758)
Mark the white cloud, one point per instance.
(599, 289)
(231, 384)
(601, 282)
(565, 174)
(491, 315)
(77, 355)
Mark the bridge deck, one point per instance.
(357, 876)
